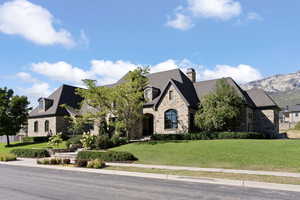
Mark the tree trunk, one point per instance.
(7, 140)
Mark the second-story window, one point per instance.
(171, 95)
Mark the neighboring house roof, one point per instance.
(65, 94)
(294, 108)
(261, 99)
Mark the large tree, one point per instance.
(124, 102)
(220, 110)
(13, 112)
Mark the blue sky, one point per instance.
(46, 43)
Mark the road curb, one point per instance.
(249, 184)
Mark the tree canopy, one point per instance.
(219, 110)
(122, 102)
(13, 112)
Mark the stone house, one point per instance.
(172, 100)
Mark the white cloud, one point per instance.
(61, 71)
(254, 16)
(241, 73)
(38, 90)
(213, 9)
(26, 77)
(181, 22)
(110, 71)
(164, 66)
(218, 9)
(33, 22)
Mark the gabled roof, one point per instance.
(182, 83)
(261, 99)
(65, 94)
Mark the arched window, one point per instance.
(36, 126)
(171, 119)
(46, 126)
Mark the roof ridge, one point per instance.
(176, 69)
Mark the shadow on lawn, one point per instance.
(20, 144)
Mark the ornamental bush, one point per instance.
(97, 164)
(108, 156)
(88, 140)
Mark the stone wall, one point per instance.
(56, 125)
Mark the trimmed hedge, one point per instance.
(31, 153)
(108, 156)
(40, 139)
(5, 157)
(209, 136)
(54, 161)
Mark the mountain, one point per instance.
(284, 88)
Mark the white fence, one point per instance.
(11, 138)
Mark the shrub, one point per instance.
(97, 164)
(31, 153)
(39, 139)
(55, 140)
(81, 162)
(53, 161)
(88, 140)
(103, 142)
(5, 157)
(108, 156)
(240, 135)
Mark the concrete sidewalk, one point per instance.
(235, 171)
(250, 184)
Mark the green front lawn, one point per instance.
(281, 155)
(4, 149)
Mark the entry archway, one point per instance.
(148, 124)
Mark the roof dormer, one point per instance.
(44, 104)
(151, 93)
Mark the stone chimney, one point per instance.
(191, 73)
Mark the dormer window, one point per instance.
(41, 104)
(151, 93)
(148, 94)
(45, 104)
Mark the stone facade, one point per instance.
(57, 124)
(177, 103)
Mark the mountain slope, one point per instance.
(284, 88)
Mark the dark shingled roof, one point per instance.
(203, 88)
(261, 99)
(65, 94)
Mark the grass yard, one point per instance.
(4, 149)
(279, 155)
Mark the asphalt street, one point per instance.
(24, 183)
